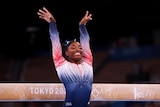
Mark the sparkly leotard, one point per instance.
(77, 78)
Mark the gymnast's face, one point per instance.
(74, 52)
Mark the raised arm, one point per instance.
(85, 39)
(54, 35)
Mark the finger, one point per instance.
(86, 13)
(41, 11)
(40, 14)
(45, 10)
(90, 16)
(42, 17)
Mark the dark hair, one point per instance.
(65, 45)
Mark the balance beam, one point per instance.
(56, 92)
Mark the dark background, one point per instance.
(112, 19)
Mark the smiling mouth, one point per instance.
(77, 53)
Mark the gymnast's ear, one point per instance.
(66, 53)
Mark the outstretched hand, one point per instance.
(46, 15)
(87, 17)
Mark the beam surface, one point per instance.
(100, 92)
